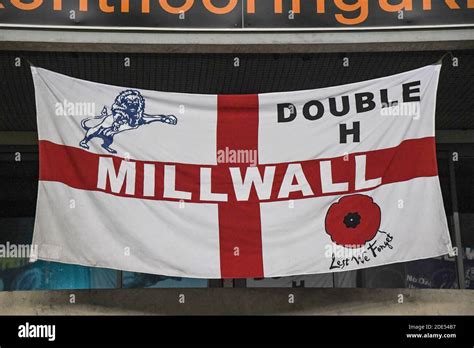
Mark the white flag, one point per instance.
(239, 186)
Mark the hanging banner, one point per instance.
(236, 14)
(239, 186)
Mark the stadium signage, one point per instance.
(237, 14)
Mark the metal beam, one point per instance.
(455, 136)
(18, 138)
(236, 42)
(457, 225)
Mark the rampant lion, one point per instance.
(127, 112)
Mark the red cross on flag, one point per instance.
(237, 186)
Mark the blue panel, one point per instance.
(142, 280)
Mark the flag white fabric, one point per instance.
(239, 186)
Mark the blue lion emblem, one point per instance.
(127, 112)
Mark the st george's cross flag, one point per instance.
(237, 186)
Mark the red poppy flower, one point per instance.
(353, 220)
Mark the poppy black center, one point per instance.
(352, 220)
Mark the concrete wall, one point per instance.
(239, 302)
